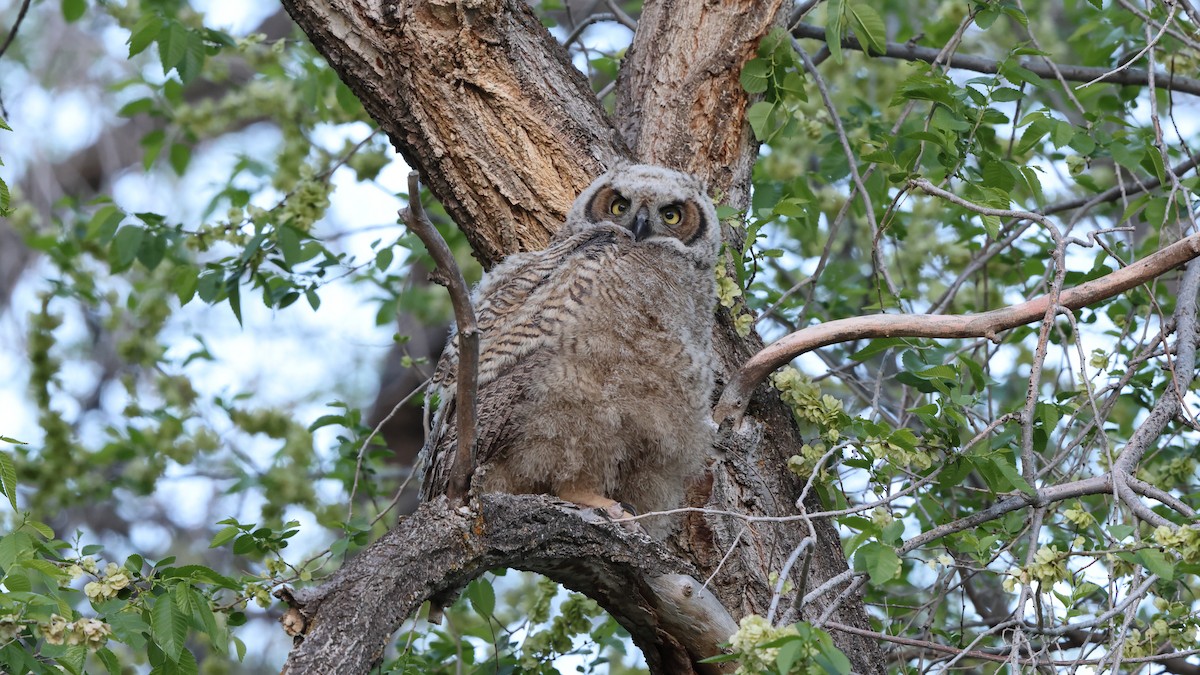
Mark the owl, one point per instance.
(595, 368)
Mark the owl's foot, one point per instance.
(611, 509)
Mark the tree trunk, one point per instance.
(487, 106)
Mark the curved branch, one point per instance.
(979, 64)
(449, 275)
(737, 393)
(351, 619)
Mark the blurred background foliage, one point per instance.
(214, 329)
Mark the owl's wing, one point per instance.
(522, 308)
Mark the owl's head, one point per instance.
(655, 204)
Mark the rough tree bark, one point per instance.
(487, 106)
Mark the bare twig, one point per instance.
(987, 324)
(12, 34)
(979, 64)
(1185, 369)
(1103, 77)
(362, 449)
(585, 23)
(448, 274)
(620, 15)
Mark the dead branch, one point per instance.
(348, 622)
(979, 64)
(449, 275)
(737, 393)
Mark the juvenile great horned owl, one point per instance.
(595, 364)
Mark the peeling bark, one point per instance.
(481, 100)
(679, 100)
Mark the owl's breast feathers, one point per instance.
(580, 344)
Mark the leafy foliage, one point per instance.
(913, 445)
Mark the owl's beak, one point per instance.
(641, 225)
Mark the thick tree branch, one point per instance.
(351, 619)
(979, 64)
(679, 100)
(986, 325)
(481, 100)
(488, 107)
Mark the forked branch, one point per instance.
(448, 274)
(737, 393)
(346, 624)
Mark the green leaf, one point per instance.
(190, 65)
(168, 626)
(141, 105)
(482, 596)
(1156, 561)
(833, 29)
(832, 659)
(288, 239)
(991, 224)
(152, 251)
(144, 32)
(200, 574)
(1120, 530)
(184, 280)
(104, 222)
(73, 10)
(111, 663)
(1152, 161)
(1010, 473)
(151, 146)
(179, 156)
(41, 528)
(755, 75)
(759, 116)
(235, 300)
(8, 478)
(868, 28)
(224, 536)
(879, 561)
(172, 45)
(788, 654)
(1006, 94)
(125, 246)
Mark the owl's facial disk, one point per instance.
(647, 217)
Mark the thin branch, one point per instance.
(1125, 66)
(449, 275)
(979, 64)
(996, 658)
(1185, 369)
(12, 34)
(362, 449)
(588, 21)
(620, 15)
(987, 324)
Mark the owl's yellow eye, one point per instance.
(619, 205)
(671, 214)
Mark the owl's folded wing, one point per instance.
(522, 309)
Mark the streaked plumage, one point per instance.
(595, 354)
